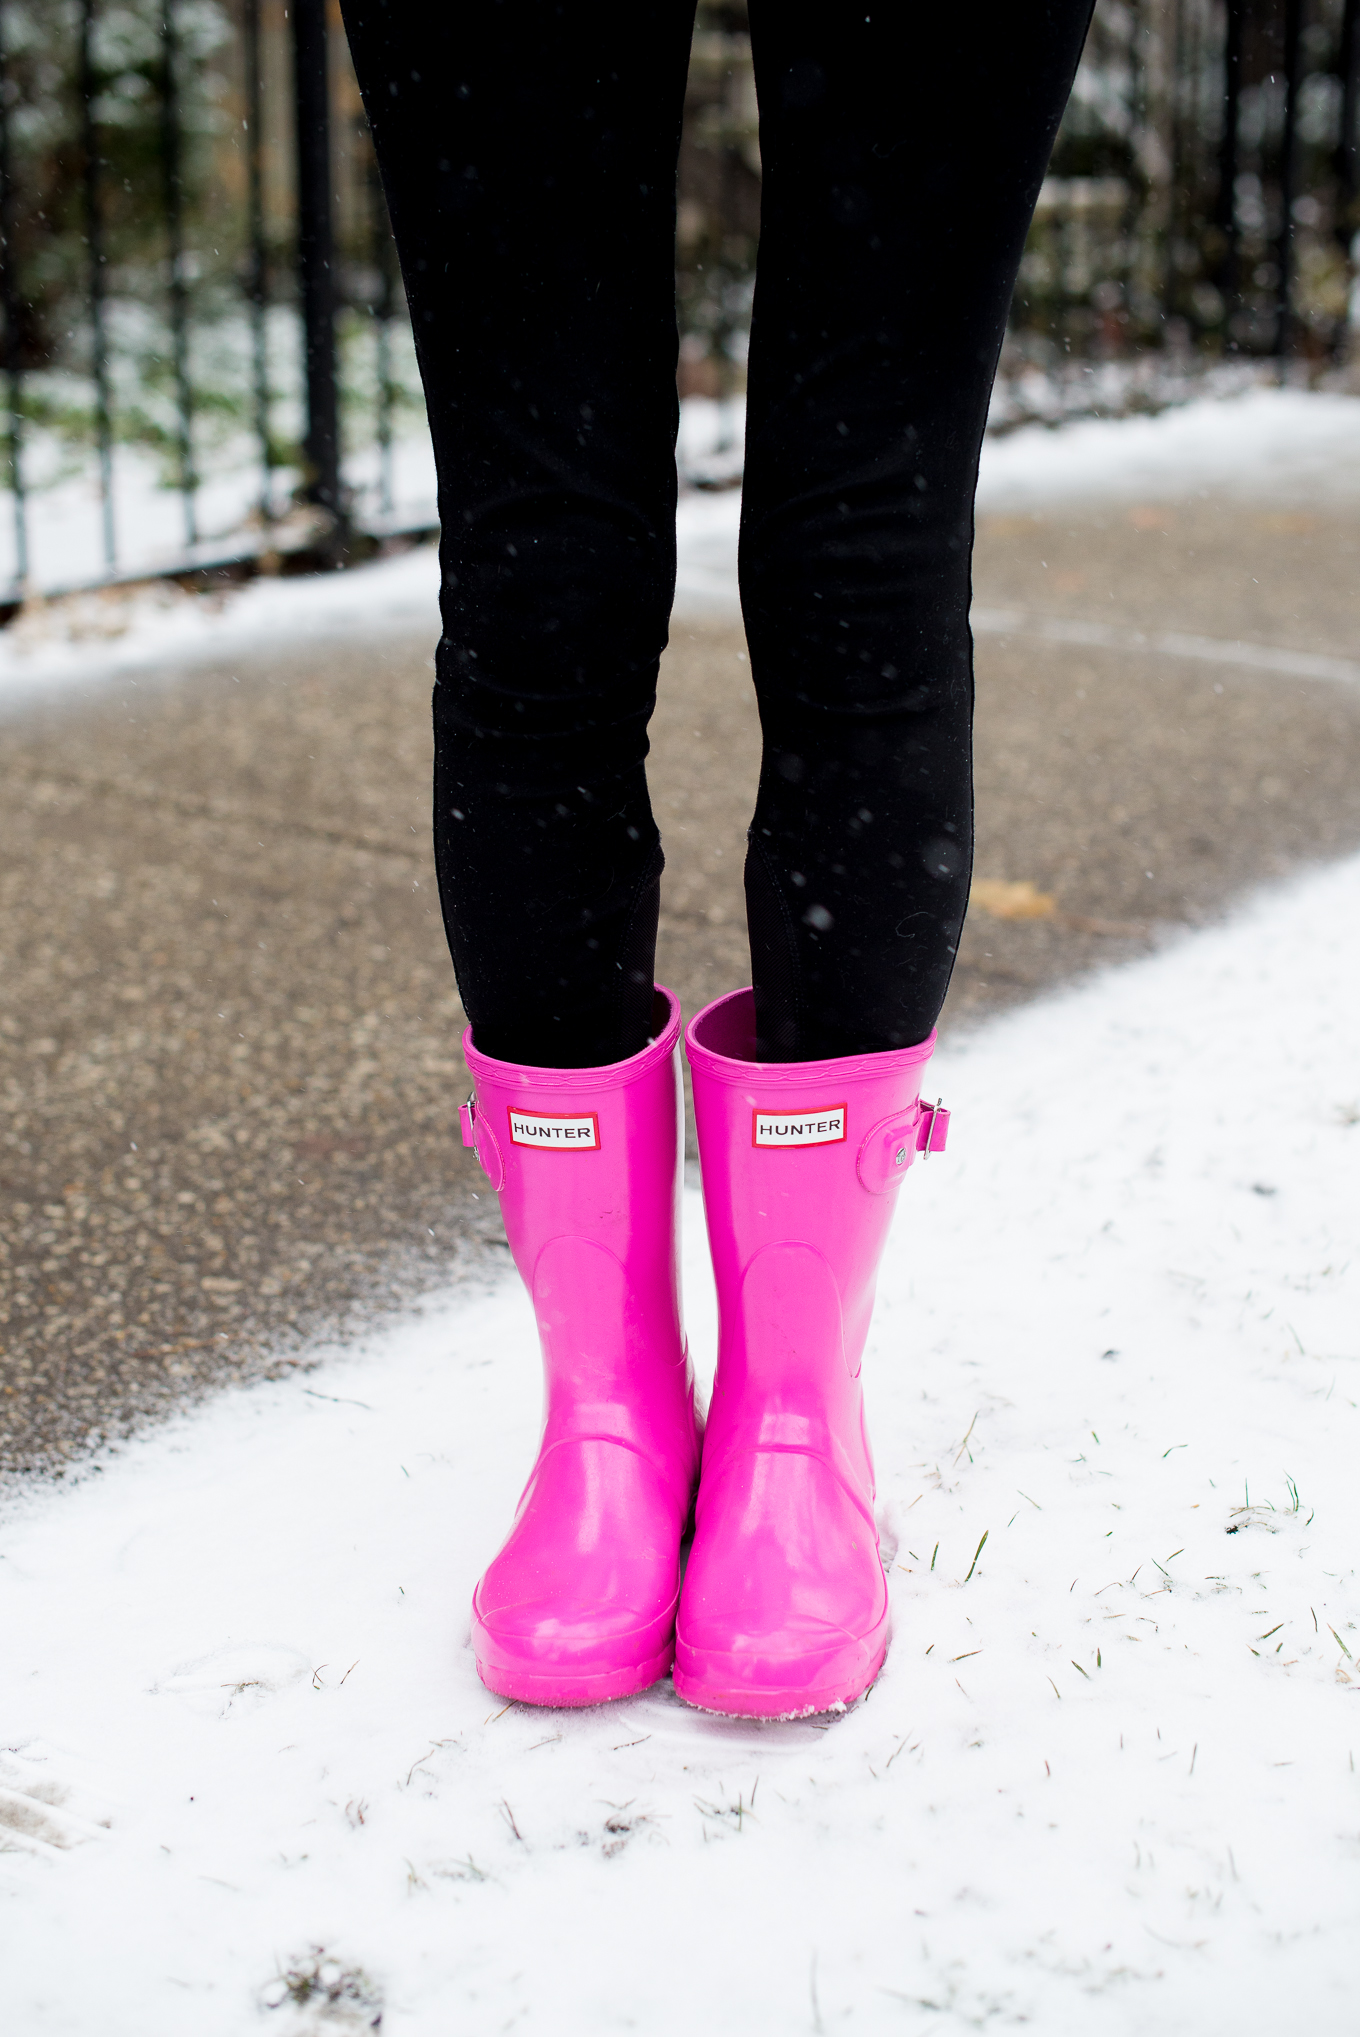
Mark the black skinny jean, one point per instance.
(528, 151)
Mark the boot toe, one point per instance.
(580, 1603)
(547, 1653)
(785, 1606)
(787, 1675)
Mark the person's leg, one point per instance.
(903, 148)
(528, 153)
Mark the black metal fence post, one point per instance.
(1348, 158)
(94, 243)
(9, 303)
(172, 137)
(316, 256)
(257, 269)
(1171, 280)
(1226, 209)
(1284, 324)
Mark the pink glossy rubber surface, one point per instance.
(785, 1605)
(579, 1605)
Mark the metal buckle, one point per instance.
(932, 1110)
(467, 1120)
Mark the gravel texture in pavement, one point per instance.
(229, 1036)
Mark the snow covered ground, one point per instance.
(1284, 446)
(1294, 445)
(66, 523)
(1289, 446)
(1106, 1783)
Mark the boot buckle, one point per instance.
(478, 1134)
(932, 1129)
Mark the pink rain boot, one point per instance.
(785, 1605)
(580, 1603)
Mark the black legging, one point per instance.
(528, 151)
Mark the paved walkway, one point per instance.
(228, 1032)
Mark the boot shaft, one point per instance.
(804, 1155)
(586, 1162)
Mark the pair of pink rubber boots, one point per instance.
(784, 1604)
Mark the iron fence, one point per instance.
(199, 294)
(206, 359)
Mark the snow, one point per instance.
(1284, 446)
(90, 638)
(65, 518)
(1252, 442)
(1104, 1785)
(1278, 445)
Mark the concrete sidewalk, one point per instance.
(227, 1023)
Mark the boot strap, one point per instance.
(889, 1149)
(478, 1134)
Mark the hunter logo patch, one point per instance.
(825, 1127)
(564, 1134)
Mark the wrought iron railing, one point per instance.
(206, 359)
(199, 294)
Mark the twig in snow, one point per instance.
(976, 1553)
(461, 1870)
(420, 1762)
(733, 1814)
(510, 1817)
(964, 1444)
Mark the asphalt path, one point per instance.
(229, 1038)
